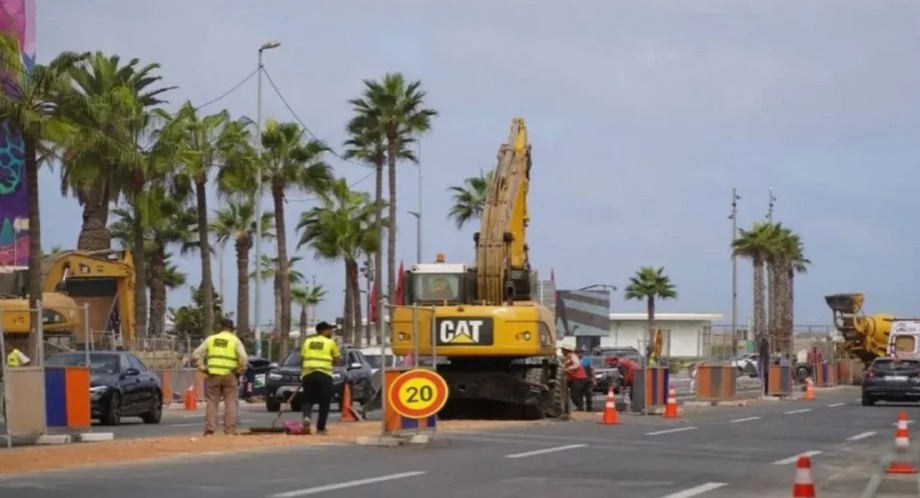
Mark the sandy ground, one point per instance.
(43, 458)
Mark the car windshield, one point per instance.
(887, 364)
(99, 363)
(293, 360)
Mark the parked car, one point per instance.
(120, 385)
(605, 376)
(254, 379)
(890, 379)
(746, 363)
(373, 357)
(627, 352)
(283, 382)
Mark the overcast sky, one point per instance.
(643, 115)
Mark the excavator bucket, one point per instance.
(845, 303)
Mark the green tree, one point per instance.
(397, 109)
(470, 198)
(290, 162)
(342, 228)
(237, 222)
(757, 244)
(788, 259)
(307, 298)
(269, 270)
(188, 320)
(34, 106)
(650, 284)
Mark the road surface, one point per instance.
(711, 453)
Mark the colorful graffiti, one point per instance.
(16, 16)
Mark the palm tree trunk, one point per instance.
(391, 229)
(242, 286)
(773, 305)
(760, 312)
(158, 292)
(94, 233)
(140, 267)
(378, 254)
(207, 286)
(303, 321)
(276, 285)
(284, 278)
(356, 302)
(650, 309)
(35, 242)
(789, 318)
(349, 310)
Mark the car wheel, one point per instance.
(112, 414)
(155, 413)
(867, 401)
(271, 404)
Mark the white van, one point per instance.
(904, 339)
(373, 357)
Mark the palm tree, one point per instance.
(307, 298)
(791, 252)
(757, 244)
(397, 109)
(237, 222)
(342, 227)
(650, 284)
(289, 162)
(33, 106)
(470, 198)
(90, 166)
(197, 150)
(269, 270)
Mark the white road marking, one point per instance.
(547, 450)
(835, 405)
(745, 419)
(702, 488)
(793, 459)
(344, 485)
(669, 431)
(863, 435)
(803, 410)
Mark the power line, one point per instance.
(309, 199)
(228, 92)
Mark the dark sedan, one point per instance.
(282, 382)
(890, 379)
(604, 376)
(254, 379)
(120, 385)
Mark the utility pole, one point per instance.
(734, 218)
(772, 203)
(418, 249)
(258, 200)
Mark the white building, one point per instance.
(685, 335)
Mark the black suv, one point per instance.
(352, 367)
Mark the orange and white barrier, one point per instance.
(902, 446)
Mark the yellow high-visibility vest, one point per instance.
(317, 354)
(222, 358)
(13, 360)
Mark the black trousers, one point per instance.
(317, 388)
(577, 391)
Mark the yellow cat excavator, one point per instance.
(499, 344)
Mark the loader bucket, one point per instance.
(845, 303)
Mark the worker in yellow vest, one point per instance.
(15, 358)
(223, 358)
(318, 355)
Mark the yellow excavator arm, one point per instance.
(502, 262)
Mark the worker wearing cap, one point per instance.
(222, 357)
(576, 376)
(318, 355)
(588, 388)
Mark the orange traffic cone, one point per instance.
(809, 389)
(901, 445)
(610, 409)
(804, 486)
(191, 403)
(348, 412)
(670, 410)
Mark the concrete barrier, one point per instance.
(67, 398)
(825, 374)
(650, 389)
(848, 371)
(25, 395)
(779, 380)
(716, 383)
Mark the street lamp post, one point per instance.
(258, 294)
(734, 218)
(418, 235)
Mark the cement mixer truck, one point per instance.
(868, 337)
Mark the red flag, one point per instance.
(400, 285)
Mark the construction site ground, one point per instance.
(709, 452)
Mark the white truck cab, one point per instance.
(904, 338)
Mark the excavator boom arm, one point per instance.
(502, 262)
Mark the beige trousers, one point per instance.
(226, 387)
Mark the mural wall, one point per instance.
(18, 17)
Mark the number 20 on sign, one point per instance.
(417, 394)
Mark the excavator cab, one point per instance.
(440, 283)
